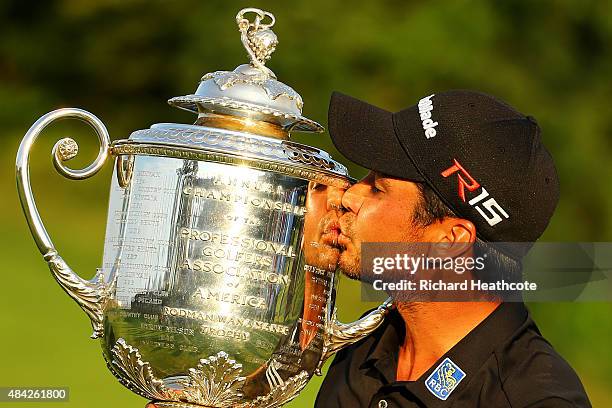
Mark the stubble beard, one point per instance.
(350, 260)
(322, 253)
(350, 266)
(326, 257)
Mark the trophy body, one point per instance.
(209, 293)
(203, 257)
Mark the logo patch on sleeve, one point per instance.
(444, 379)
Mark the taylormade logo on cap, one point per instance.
(425, 110)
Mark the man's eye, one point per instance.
(375, 189)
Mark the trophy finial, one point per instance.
(257, 37)
(250, 91)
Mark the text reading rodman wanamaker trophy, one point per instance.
(214, 289)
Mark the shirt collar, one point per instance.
(470, 353)
(384, 352)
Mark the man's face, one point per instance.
(321, 226)
(378, 209)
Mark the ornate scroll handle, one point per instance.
(90, 295)
(258, 39)
(339, 335)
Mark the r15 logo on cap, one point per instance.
(492, 208)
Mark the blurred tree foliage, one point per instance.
(123, 59)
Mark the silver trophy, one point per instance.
(214, 289)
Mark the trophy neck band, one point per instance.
(240, 124)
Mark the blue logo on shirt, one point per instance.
(444, 379)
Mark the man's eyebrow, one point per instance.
(382, 178)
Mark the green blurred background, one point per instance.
(122, 59)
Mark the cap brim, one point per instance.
(365, 135)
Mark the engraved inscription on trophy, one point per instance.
(226, 252)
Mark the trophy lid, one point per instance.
(251, 90)
(244, 118)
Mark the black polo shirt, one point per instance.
(503, 362)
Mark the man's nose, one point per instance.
(352, 201)
(334, 199)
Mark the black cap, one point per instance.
(484, 159)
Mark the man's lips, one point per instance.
(343, 240)
(330, 233)
(332, 226)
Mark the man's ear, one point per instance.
(452, 236)
(461, 230)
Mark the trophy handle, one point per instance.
(91, 295)
(339, 335)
